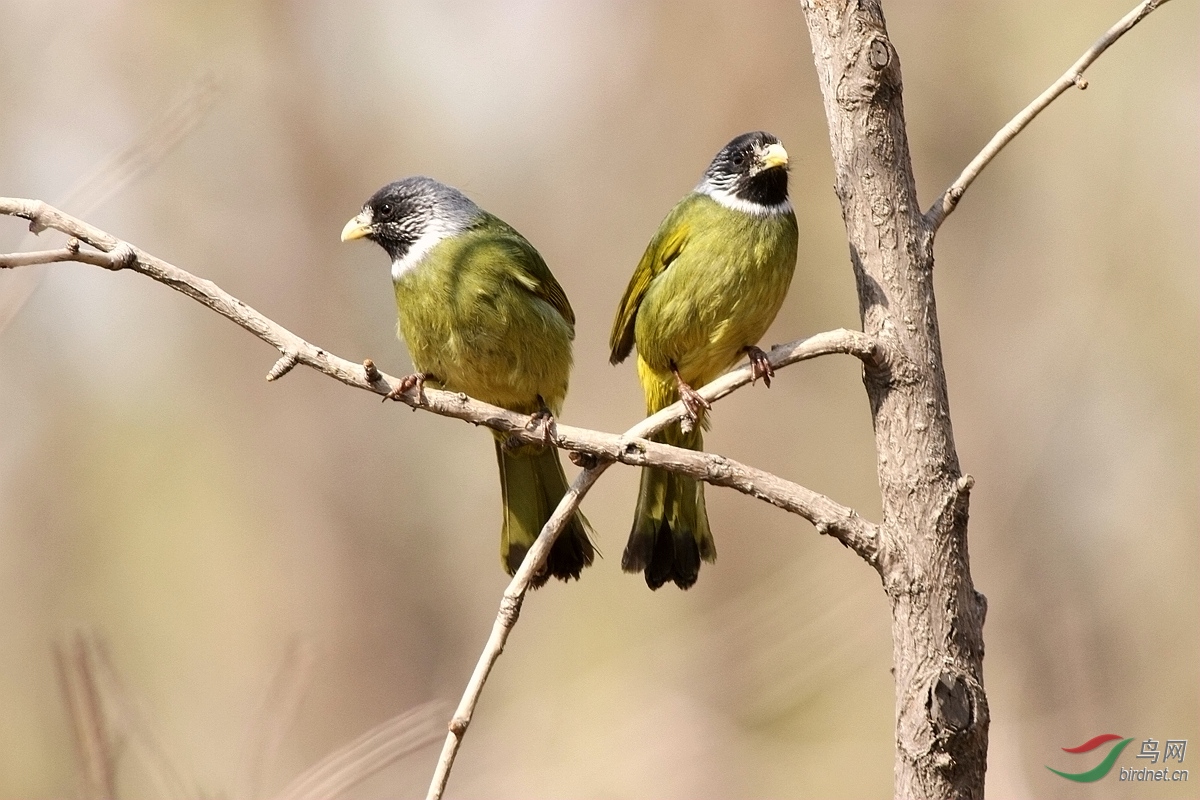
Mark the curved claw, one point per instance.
(760, 365)
(693, 401)
(416, 379)
(543, 418)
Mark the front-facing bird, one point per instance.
(706, 290)
(482, 314)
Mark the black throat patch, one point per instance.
(768, 188)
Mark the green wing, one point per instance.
(531, 271)
(668, 242)
(538, 278)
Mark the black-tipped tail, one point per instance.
(670, 535)
(532, 484)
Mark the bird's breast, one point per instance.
(486, 338)
(720, 295)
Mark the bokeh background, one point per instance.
(157, 492)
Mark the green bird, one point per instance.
(481, 313)
(707, 288)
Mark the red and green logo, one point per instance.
(1104, 767)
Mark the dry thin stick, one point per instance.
(1072, 77)
(506, 618)
(148, 150)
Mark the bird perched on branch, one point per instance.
(707, 288)
(482, 314)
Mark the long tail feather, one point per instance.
(670, 535)
(532, 483)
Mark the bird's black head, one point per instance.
(753, 167)
(399, 214)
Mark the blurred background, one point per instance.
(157, 492)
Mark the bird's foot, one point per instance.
(542, 421)
(760, 365)
(416, 379)
(693, 402)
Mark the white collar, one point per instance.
(730, 201)
(437, 231)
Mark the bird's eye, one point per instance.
(385, 210)
(739, 160)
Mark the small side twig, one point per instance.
(948, 200)
(68, 253)
(283, 366)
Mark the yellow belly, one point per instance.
(718, 297)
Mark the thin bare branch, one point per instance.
(506, 618)
(95, 258)
(1072, 77)
(138, 158)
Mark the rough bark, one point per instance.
(937, 616)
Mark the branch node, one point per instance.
(718, 467)
(458, 726)
(881, 54)
(950, 704)
(510, 609)
(73, 246)
(1080, 81)
(373, 374)
(123, 256)
(36, 225)
(284, 365)
(957, 498)
(583, 460)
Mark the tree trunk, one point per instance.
(937, 616)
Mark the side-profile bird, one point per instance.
(707, 288)
(481, 313)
